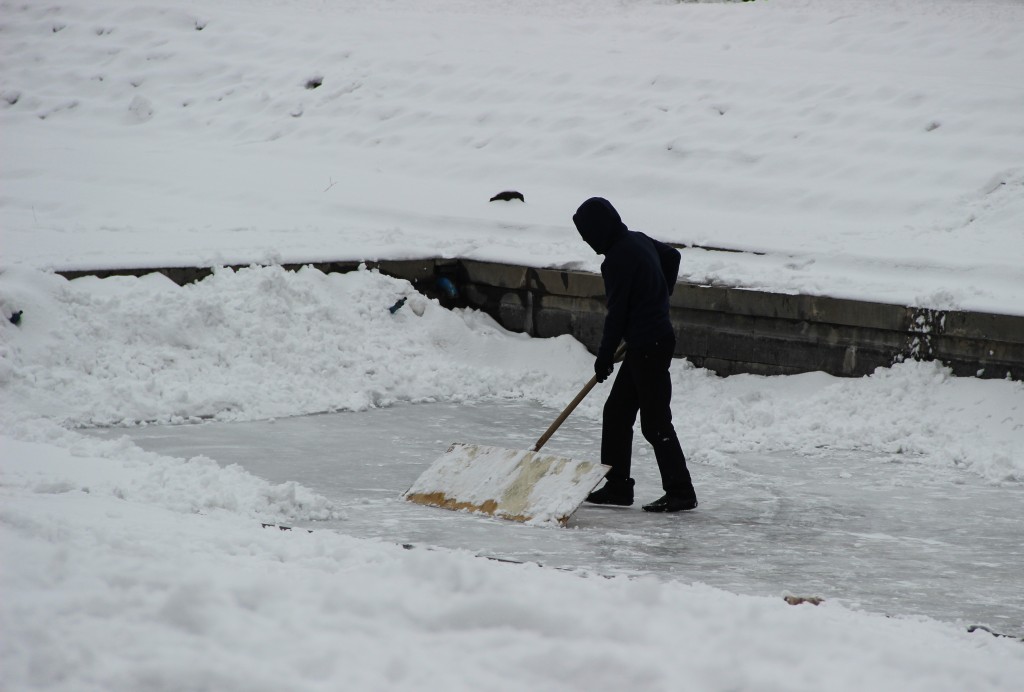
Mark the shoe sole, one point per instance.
(666, 510)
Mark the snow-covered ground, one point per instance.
(871, 149)
(129, 570)
(105, 593)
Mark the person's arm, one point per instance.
(617, 284)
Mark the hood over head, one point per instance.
(599, 224)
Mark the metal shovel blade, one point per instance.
(508, 483)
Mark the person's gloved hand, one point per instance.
(603, 368)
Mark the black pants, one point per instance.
(643, 384)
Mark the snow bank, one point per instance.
(263, 342)
(120, 469)
(910, 413)
(256, 343)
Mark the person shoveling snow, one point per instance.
(639, 275)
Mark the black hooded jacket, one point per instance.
(639, 275)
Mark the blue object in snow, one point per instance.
(394, 308)
(447, 287)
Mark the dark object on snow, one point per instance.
(672, 503)
(281, 527)
(16, 317)
(508, 196)
(397, 306)
(799, 600)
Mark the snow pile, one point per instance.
(121, 470)
(263, 342)
(910, 413)
(872, 149)
(256, 343)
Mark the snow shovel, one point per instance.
(512, 484)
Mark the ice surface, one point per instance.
(896, 538)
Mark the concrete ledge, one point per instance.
(734, 330)
(726, 329)
(413, 270)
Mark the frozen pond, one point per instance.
(901, 539)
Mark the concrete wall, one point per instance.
(728, 330)
(732, 330)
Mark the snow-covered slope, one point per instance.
(873, 149)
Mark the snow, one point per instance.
(135, 570)
(518, 484)
(869, 149)
(263, 343)
(889, 534)
(136, 596)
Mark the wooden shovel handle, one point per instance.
(620, 353)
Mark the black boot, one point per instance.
(673, 503)
(614, 492)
